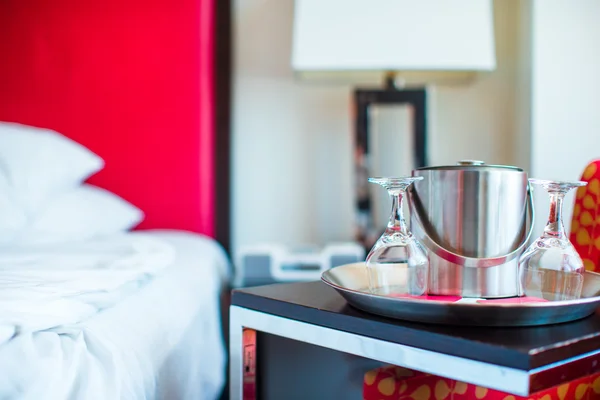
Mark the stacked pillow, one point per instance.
(43, 197)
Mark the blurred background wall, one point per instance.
(292, 139)
(565, 93)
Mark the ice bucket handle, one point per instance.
(472, 262)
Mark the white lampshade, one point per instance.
(411, 36)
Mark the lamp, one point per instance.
(406, 44)
(426, 40)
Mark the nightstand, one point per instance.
(513, 360)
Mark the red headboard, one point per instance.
(134, 81)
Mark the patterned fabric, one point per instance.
(396, 383)
(585, 225)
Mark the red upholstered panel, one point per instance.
(131, 80)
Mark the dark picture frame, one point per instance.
(366, 233)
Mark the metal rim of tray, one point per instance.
(351, 280)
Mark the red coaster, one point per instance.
(443, 299)
(454, 299)
(514, 300)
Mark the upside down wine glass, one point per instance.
(397, 264)
(551, 268)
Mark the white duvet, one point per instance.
(43, 287)
(131, 317)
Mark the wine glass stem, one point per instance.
(555, 226)
(397, 224)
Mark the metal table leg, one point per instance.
(242, 345)
(236, 356)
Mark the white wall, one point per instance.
(522, 142)
(565, 93)
(292, 141)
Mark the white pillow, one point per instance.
(12, 217)
(39, 163)
(81, 213)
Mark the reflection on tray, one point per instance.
(457, 299)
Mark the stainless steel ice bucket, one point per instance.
(475, 220)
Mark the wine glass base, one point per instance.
(550, 267)
(397, 263)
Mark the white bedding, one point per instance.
(159, 341)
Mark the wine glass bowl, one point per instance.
(550, 268)
(397, 264)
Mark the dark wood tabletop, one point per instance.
(523, 348)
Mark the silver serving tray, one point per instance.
(351, 281)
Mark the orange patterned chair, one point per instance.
(585, 224)
(396, 383)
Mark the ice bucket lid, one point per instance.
(471, 165)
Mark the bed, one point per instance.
(162, 341)
(144, 87)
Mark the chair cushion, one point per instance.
(585, 224)
(395, 383)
